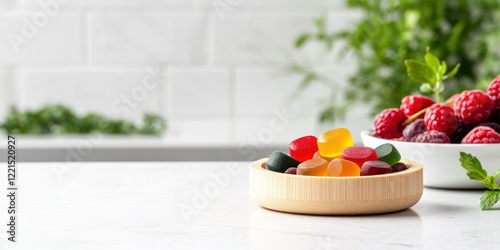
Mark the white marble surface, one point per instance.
(138, 206)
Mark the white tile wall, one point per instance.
(243, 38)
(203, 131)
(113, 3)
(34, 38)
(221, 79)
(287, 3)
(232, 5)
(125, 38)
(117, 93)
(5, 93)
(273, 129)
(7, 3)
(268, 89)
(200, 92)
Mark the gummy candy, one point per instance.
(375, 168)
(318, 156)
(331, 143)
(388, 154)
(280, 162)
(316, 167)
(398, 167)
(291, 171)
(341, 167)
(303, 148)
(359, 155)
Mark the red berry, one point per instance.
(415, 128)
(461, 132)
(389, 123)
(473, 107)
(441, 118)
(432, 137)
(451, 101)
(495, 116)
(413, 103)
(482, 134)
(492, 125)
(494, 91)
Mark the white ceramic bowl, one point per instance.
(441, 163)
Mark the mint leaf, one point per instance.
(444, 67)
(452, 73)
(490, 181)
(474, 169)
(489, 199)
(476, 172)
(432, 61)
(420, 72)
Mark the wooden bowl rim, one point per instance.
(413, 166)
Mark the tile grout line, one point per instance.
(168, 92)
(86, 38)
(164, 92)
(12, 77)
(210, 34)
(232, 103)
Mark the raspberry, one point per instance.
(389, 123)
(482, 134)
(432, 136)
(492, 125)
(413, 103)
(440, 117)
(461, 132)
(473, 106)
(493, 91)
(495, 116)
(415, 128)
(451, 101)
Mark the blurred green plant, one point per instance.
(59, 119)
(465, 32)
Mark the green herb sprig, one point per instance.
(60, 119)
(431, 74)
(476, 172)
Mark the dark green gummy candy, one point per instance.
(280, 162)
(388, 154)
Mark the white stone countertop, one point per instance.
(179, 205)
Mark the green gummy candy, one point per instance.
(280, 162)
(388, 154)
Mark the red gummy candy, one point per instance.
(291, 171)
(375, 168)
(359, 155)
(303, 148)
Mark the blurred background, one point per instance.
(223, 79)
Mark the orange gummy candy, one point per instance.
(318, 156)
(316, 167)
(341, 167)
(331, 143)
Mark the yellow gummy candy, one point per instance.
(331, 143)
